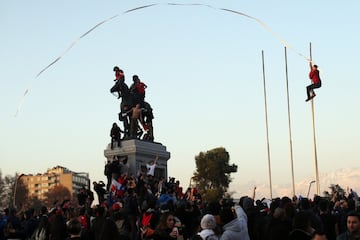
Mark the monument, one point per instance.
(139, 153)
(137, 143)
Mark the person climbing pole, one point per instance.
(314, 75)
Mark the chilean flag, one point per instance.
(118, 187)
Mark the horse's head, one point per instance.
(120, 87)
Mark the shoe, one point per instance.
(311, 97)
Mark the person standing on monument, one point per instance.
(115, 134)
(150, 167)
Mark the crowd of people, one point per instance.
(150, 207)
(146, 206)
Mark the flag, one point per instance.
(118, 187)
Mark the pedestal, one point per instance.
(140, 153)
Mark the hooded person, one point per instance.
(208, 224)
(243, 219)
(232, 227)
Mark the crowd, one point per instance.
(148, 207)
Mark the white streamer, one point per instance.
(148, 6)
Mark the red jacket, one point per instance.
(314, 75)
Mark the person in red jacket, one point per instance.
(314, 75)
(138, 88)
(119, 78)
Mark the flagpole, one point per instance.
(314, 140)
(267, 126)
(289, 124)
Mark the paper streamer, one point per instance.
(263, 24)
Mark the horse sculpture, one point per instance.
(129, 99)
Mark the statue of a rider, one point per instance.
(130, 97)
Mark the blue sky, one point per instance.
(204, 74)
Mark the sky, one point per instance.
(203, 68)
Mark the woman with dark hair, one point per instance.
(166, 229)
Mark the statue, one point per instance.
(133, 100)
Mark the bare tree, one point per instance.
(57, 195)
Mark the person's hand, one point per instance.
(174, 233)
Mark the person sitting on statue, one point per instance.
(138, 89)
(115, 134)
(119, 77)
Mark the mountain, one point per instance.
(345, 177)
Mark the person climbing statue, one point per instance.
(314, 75)
(138, 89)
(119, 77)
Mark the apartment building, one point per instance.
(39, 184)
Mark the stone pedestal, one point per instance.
(140, 153)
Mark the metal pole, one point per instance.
(314, 140)
(289, 123)
(267, 126)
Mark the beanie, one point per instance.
(208, 222)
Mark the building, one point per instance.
(40, 184)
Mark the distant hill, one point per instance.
(345, 177)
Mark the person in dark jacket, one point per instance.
(353, 227)
(302, 229)
(115, 134)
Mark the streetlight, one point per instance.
(313, 181)
(15, 188)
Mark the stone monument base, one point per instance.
(139, 153)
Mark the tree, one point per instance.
(8, 190)
(212, 175)
(3, 200)
(20, 192)
(335, 189)
(57, 195)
